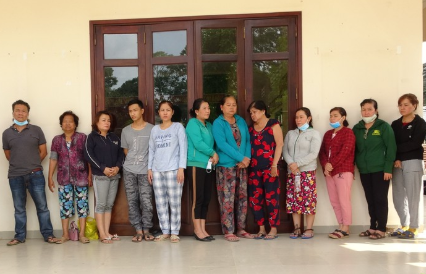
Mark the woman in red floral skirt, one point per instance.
(266, 139)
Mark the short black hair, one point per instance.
(135, 101)
(20, 102)
(70, 113)
(370, 101)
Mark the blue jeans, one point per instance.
(36, 186)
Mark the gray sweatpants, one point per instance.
(105, 191)
(139, 199)
(406, 190)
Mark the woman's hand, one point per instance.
(326, 173)
(293, 167)
(397, 164)
(150, 176)
(108, 171)
(180, 176)
(246, 161)
(387, 176)
(274, 171)
(215, 159)
(328, 167)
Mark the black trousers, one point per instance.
(376, 192)
(201, 190)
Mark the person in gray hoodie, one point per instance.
(300, 151)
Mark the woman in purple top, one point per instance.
(73, 176)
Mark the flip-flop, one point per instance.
(137, 238)
(115, 237)
(259, 236)
(308, 236)
(245, 235)
(270, 237)
(231, 238)
(15, 242)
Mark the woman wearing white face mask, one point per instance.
(300, 151)
(375, 152)
(337, 161)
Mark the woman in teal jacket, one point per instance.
(201, 158)
(375, 151)
(232, 138)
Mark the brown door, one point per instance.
(181, 60)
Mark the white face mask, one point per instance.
(370, 119)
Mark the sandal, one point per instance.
(231, 238)
(338, 234)
(106, 241)
(397, 232)
(366, 233)
(115, 237)
(245, 234)
(260, 236)
(161, 238)
(137, 238)
(296, 234)
(148, 236)
(174, 239)
(377, 236)
(407, 235)
(52, 240)
(62, 240)
(308, 236)
(84, 240)
(15, 242)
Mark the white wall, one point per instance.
(351, 50)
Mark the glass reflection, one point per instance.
(219, 79)
(121, 85)
(120, 46)
(171, 83)
(169, 43)
(219, 41)
(270, 39)
(270, 84)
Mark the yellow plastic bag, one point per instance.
(91, 231)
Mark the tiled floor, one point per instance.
(283, 255)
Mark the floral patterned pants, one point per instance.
(232, 194)
(304, 201)
(262, 187)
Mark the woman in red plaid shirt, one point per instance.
(337, 160)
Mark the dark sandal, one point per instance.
(338, 234)
(377, 236)
(52, 240)
(15, 242)
(137, 238)
(407, 235)
(366, 233)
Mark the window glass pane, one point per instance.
(121, 85)
(120, 46)
(270, 84)
(219, 79)
(270, 39)
(169, 43)
(171, 83)
(219, 41)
